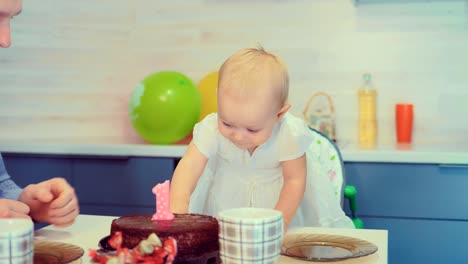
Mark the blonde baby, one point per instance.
(252, 152)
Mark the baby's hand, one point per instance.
(13, 209)
(179, 210)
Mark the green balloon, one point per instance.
(164, 107)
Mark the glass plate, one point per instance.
(55, 252)
(323, 247)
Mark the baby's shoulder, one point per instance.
(292, 126)
(210, 120)
(209, 124)
(294, 137)
(206, 135)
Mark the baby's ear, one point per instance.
(282, 111)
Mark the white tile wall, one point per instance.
(73, 64)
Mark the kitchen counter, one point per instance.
(454, 154)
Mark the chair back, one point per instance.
(327, 156)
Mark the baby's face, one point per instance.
(246, 122)
(8, 9)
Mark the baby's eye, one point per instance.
(226, 124)
(252, 130)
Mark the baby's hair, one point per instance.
(252, 67)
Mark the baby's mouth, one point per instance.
(241, 145)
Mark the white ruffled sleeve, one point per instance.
(294, 138)
(205, 135)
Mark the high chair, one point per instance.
(328, 156)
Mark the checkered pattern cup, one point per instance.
(250, 235)
(16, 241)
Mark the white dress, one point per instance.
(233, 178)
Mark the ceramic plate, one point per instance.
(322, 247)
(55, 252)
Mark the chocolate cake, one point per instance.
(196, 235)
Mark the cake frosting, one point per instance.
(196, 235)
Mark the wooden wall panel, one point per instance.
(74, 64)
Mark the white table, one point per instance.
(89, 229)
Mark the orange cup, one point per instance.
(404, 122)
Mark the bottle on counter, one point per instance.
(367, 113)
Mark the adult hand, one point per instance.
(13, 209)
(52, 201)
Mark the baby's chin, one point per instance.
(243, 147)
(246, 147)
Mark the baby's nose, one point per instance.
(237, 136)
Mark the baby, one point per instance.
(252, 153)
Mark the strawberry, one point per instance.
(170, 245)
(95, 257)
(159, 252)
(152, 260)
(116, 240)
(149, 251)
(170, 259)
(92, 253)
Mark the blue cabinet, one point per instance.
(104, 185)
(117, 186)
(422, 206)
(26, 169)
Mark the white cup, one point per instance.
(250, 235)
(16, 241)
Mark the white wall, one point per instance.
(73, 64)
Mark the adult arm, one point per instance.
(8, 188)
(9, 193)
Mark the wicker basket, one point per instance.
(319, 114)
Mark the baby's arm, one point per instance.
(185, 178)
(294, 173)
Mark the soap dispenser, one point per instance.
(367, 113)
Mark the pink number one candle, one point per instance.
(163, 211)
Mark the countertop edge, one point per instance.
(349, 153)
(426, 157)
